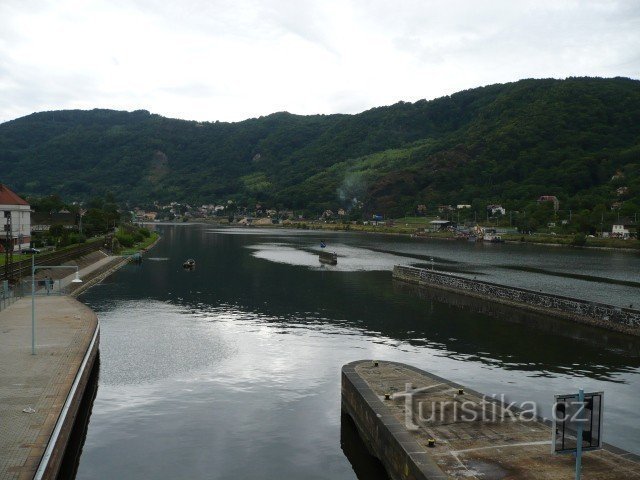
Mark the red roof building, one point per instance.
(14, 211)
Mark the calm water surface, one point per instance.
(233, 370)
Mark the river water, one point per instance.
(232, 370)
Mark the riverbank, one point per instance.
(398, 229)
(393, 405)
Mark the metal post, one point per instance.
(579, 434)
(33, 304)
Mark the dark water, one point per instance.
(233, 370)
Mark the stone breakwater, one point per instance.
(626, 320)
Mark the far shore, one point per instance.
(630, 245)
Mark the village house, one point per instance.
(444, 208)
(326, 215)
(495, 209)
(17, 220)
(462, 206)
(622, 229)
(342, 212)
(437, 225)
(422, 209)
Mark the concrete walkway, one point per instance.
(34, 388)
(63, 282)
(400, 409)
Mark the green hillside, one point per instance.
(506, 143)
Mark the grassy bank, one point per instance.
(146, 243)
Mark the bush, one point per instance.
(579, 240)
(145, 232)
(137, 237)
(76, 238)
(125, 239)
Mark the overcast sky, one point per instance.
(234, 59)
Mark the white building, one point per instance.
(496, 209)
(19, 211)
(620, 231)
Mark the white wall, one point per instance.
(20, 224)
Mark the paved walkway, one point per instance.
(33, 388)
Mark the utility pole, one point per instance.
(8, 251)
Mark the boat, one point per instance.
(491, 236)
(189, 264)
(330, 258)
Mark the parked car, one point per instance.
(30, 250)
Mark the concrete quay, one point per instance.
(619, 319)
(40, 394)
(398, 409)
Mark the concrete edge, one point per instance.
(605, 446)
(402, 456)
(100, 276)
(582, 319)
(54, 452)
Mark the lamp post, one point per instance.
(33, 294)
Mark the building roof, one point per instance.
(9, 197)
(440, 222)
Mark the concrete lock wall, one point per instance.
(625, 320)
(385, 437)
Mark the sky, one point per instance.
(229, 60)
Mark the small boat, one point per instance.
(330, 258)
(491, 236)
(189, 264)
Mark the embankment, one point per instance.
(625, 320)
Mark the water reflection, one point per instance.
(363, 463)
(71, 459)
(241, 357)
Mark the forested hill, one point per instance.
(503, 143)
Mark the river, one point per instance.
(232, 370)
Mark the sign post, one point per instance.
(579, 435)
(577, 424)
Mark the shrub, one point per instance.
(579, 240)
(125, 239)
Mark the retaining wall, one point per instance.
(54, 452)
(385, 437)
(625, 320)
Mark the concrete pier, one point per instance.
(40, 394)
(624, 320)
(399, 410)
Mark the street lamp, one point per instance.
(33, 294)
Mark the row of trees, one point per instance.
(98, 217)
